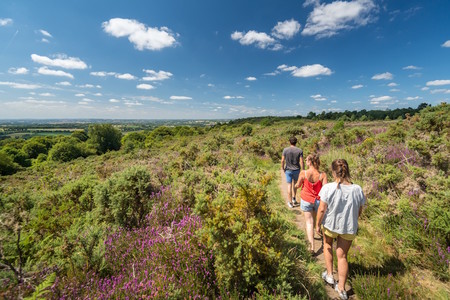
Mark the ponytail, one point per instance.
(341, 170)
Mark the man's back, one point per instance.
(292, 155)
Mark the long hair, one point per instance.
(340, 169)
(315, 160)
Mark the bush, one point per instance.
(104, 137)
(7, 165)
(65, 151)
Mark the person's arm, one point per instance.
(324, 178)
(360, 211)
(301, 178)
(320, 213)
(282, 163)
(302, 163)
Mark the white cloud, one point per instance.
(88, 100)
(47, 71)
(24, 86)
(311, 2)
(180, 98)
(44, 40)
(114, 100)
(45, 33)
(286, 68)
(383, 76)
(211, 85)
(233, 97)
(126, 76)
(438, 82)
(318, 97)
(103, 74)
(261, 39)
(446, 44)
(64, 83)
(328, 19)
(358, 86)
(135, 103)
(382, 98)
(86, 86)
(286, 29)
(394, 90)
(411, 68)
(311, 70)
(144, 86)
(413, 98)
(425, 88)
(251, 78)
(7, 21)
(80, 95)
(440, 91)
(156, 76)
(61, 61)
(98, 94)
(392, 84)
(18, 71)
(272, 73)
(141, 36)
(46, 95)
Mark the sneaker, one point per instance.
(294, 202)
(328, 278)
(342, 294)
(290, 204)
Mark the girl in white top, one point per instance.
(341, 204)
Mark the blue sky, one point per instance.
(220, 59)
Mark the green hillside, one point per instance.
(179, 212)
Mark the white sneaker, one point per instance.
(294, 202)
(328, 278)
(290, 204)
(342, 294)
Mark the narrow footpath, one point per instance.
(300, 222)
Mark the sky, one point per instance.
(206, 59)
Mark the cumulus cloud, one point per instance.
(328, 19)
(438, 82)
(144, 86)
(64, 83)
(180, 98)
(114, 100)
(311, 2)
(61, 61)
(211, 85)
(446, 44)
(88, 86)
(425, 88)
(311, 70)
(80, 95)
(233, 97)
(16, 85)
(126, 76)
(18, 71)
(286, 30)
(286, 68)
(5, 22)
(251, 78)
(381, 98)
(413, 98)
(411, 68)
(46, 95)
(318, 97)
(47, 71)
(392, 84)
(45, 33)
(141, 36)
(156, 76)
(103, 74)
(358, 86)
(383, 76)
(261, 39)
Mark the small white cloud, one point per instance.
(446, 44)
(286, 68)
(80, 95)
(114, 100)
(333, 101)
(86, 86)
(47, 71)
(46, 95)
(425, 88)
(311, 70)
(44, 40)
(318, 97)
(383, 76)
(211, 85)
(5, 22)
(103, 74)
(440, 91)
(411, 68)
(438, 82)
(261, 39)
(126, 76)
(64, 83)
(413, 98)
(156, 76)
(382, 98)
(45, 33)
(394, 90)
(24, 86)
(141, 36)
(239, 97)
(328, 19)
(18, 71)
(98, 94)
(135, 103)
(61, 61)
(392, 84)
(144, 86)
(358, 86)
(229, 97)
(251, 78)
(286, 29)
(180, 98)
(272, 73)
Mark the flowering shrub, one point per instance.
(163, 259)
(400, 155)
(380, 287)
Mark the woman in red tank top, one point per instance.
(311, 181)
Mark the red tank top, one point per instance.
(310, 191)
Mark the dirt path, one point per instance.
(300, 222)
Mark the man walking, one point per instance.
(292, 163)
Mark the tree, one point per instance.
(104, 137)
(7, 165)
(65, 151)
(80, 134)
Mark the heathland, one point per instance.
(196, 211)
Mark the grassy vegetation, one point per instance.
(210, 197)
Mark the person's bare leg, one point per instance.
(328, 253)
(289, 187)
(295, 191)
(341, 252)
(309, 228)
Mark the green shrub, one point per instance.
(65, 151)
(104, 137)
(7, 165)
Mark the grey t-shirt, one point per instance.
(292, 157)
(343, 207)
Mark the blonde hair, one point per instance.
(340, 169)
(315, 160)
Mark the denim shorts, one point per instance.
(307, 206)
(291, 175)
